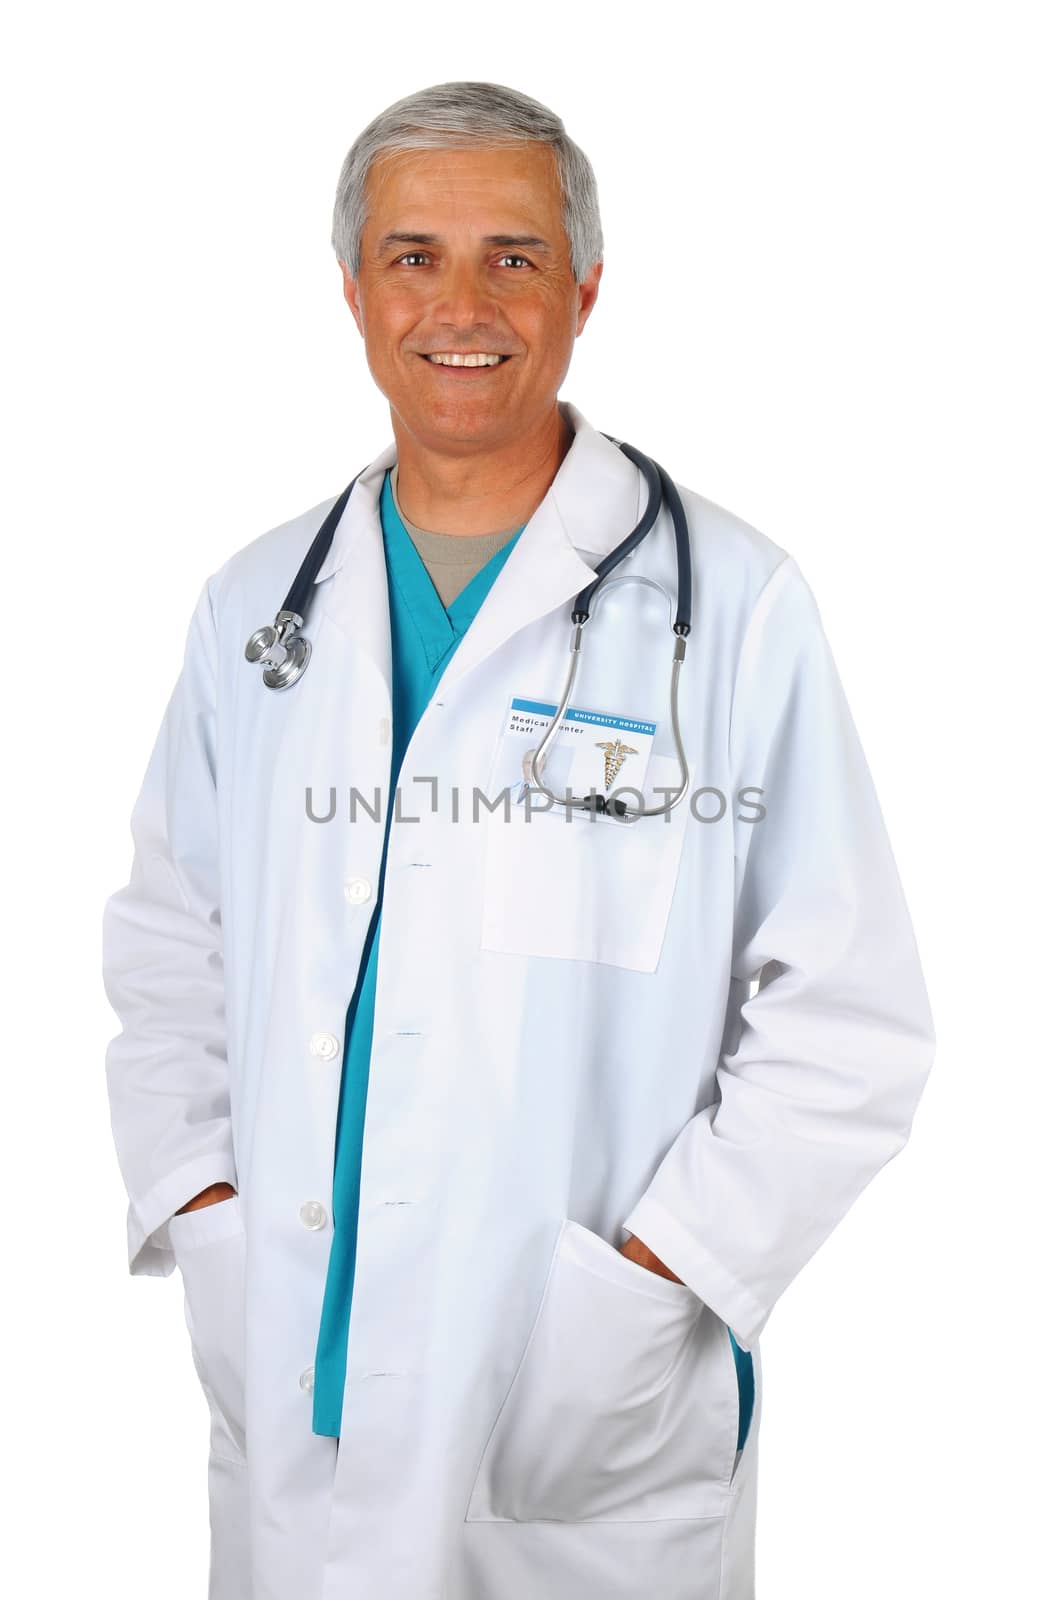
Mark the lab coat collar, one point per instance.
(594, 501)
(594, 489)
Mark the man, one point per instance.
(486, 1140)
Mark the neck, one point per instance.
(483, 491)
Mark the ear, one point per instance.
(351, 295)
(588, 294)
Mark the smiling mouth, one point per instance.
(474, 362)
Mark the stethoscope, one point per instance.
(286, 653)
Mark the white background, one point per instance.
(830, 303)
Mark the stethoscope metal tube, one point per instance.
(660, 485)
(284, 653)
(601, 803)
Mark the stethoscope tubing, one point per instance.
(659, 484)
(660, 487)
(297, 600)
(286, 652)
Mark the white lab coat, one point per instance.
(570, 1043)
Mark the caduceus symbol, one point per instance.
(615, 756)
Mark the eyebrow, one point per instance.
(522, 241)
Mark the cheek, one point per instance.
(389, 319)
(546, 326)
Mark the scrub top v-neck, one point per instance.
(424, 636)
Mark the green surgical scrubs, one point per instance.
(424, 636)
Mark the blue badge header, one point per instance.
(601, 719)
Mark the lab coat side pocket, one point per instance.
(476, 1498)
(624, 1406)
(210, 1248)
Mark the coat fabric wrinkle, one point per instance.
(569, 1045)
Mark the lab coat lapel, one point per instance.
(352, 583)
(594, 501)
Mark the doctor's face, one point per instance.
(465, 251)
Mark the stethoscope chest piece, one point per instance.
(283, 651)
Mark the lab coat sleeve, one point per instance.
(818, 1083)
(167, 1075)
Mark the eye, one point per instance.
(511, 256)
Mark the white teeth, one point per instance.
(465, 361)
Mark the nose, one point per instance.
(464, 299)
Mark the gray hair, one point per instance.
(464, 114)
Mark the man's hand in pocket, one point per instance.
(635, 1250)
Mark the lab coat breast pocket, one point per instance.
(624, 1406)
(583, 889)
(210, 1247)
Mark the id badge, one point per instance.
(599, 751)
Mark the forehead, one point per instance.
(465, 186)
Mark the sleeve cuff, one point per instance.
(150, 1252)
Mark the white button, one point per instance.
(385, 729)
(312, 1214)
(324, 1045)
(306, 1381)
(357, 890)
